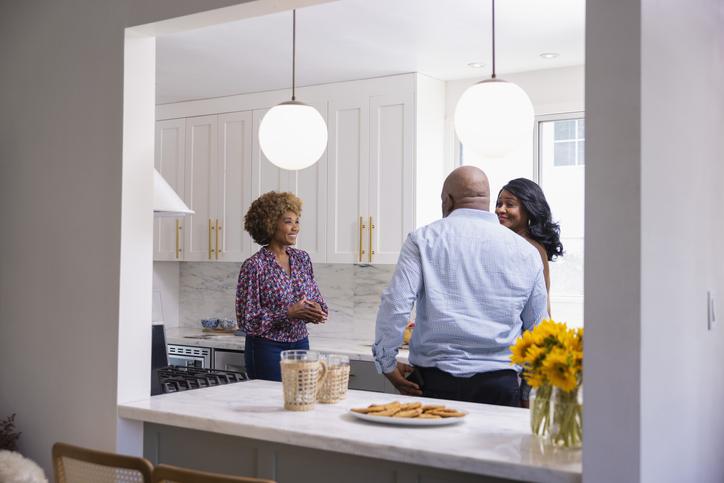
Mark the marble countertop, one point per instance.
(492, 440)
(355, 349)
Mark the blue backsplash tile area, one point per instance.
(352, 292)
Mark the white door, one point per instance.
(391, 184)
(234, 187)
(347, 180)
(201, 147)
(169, 161)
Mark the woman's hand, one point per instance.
(307, 310)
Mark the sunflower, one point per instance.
(521, 347)
(558, 367)
(535, 356)
(549, 333)
(534, 378)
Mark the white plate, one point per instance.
(408, 421)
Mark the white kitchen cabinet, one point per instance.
(391, 176)
(371, 177)
(169, 161)
(201, 190)
(309, 184)
(347, 179)
(379, 178)
(233, 174)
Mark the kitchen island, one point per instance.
(243, 429)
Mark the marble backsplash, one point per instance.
(352, 293)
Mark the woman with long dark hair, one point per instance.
(523, 208)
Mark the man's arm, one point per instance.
(395, 308)
(536, 308)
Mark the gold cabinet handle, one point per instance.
(361, 238)
(211, 250)
(217, 238)
(371, 252)
(178, 243)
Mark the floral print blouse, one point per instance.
(265, 292)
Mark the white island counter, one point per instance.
(493, 443)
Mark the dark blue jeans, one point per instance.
(262, 356)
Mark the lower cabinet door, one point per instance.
(228, 360)
(364, 377)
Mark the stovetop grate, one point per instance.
(179, 378)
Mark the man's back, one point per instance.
(476, 285)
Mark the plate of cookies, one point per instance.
(409, 414)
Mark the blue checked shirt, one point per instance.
(476, 286)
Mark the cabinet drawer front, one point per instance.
(363, 376)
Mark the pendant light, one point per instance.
(293, 135)
(493, 117)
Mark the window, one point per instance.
(555, 160)
(561, 171)
(568, 141)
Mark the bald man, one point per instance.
(476, 286)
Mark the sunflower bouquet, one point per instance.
(551, 356)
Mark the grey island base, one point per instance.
(243, 429)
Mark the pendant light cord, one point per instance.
(294, 53)
(493, 1)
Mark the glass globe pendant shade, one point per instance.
(293, 135)
(494, 117)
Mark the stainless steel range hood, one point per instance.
(165, 200)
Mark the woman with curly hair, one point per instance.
(277, 294)
(523, 208)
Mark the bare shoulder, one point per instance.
(541, 251)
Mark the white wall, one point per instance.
(166, 289)
(431, 167)
(682, 237)
(61, 257)
(655, 112)
(612, 345)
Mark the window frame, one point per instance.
(562, 116)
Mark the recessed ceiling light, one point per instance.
(549, 55)
(476, 65)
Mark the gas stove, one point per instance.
(168, 379)
(177, 378)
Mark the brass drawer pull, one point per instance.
(178, 242)
(371, 252)
(361, 238)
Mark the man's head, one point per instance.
(465, 187)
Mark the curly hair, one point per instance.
(540, 221)
(266, 211)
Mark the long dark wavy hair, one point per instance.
(540, 223)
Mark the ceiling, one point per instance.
(358, 39)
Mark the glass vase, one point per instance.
(540, 410)
(566, 418)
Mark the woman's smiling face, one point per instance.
(287, 229)
(510, 211)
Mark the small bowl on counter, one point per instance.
(219, 325)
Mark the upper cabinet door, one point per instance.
(200, 196)
(234, 187)
(391, 186)
(310, 185)
(169, 161)
(265, 176)
(347, 179)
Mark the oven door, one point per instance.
(186, 356)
